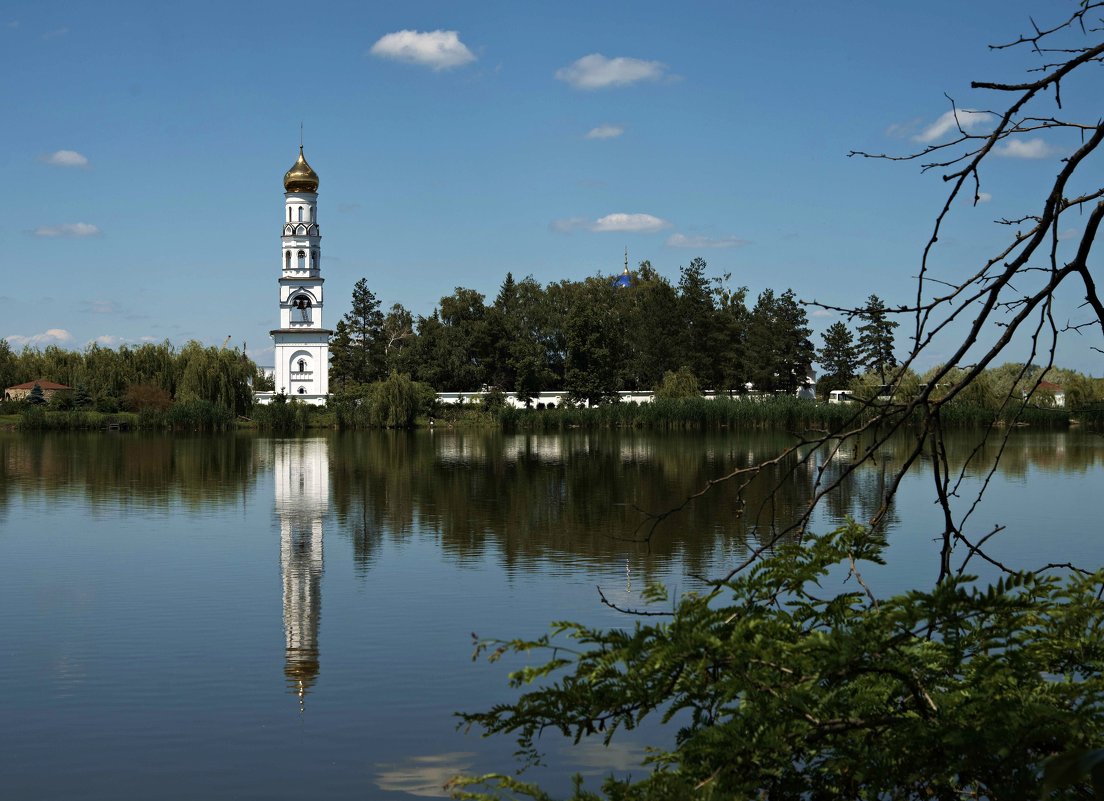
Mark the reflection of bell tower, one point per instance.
(302, 500)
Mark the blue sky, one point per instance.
(145, 145)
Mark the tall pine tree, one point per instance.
(357, 347)
(876, 337)
(839, 358)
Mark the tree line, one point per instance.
(592, 337)
(149, 376)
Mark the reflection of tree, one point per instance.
(585, 494)
(528, 496)
(861, 493)
(129, 469)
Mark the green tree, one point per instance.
(81, 398)
(698, 327)
(762, 346)
(62, 401)
(518, 324)
(9, 366)
(217, 376)
(146, 396)
(796, 351)
(503, 326)
(784, 691)
(357, 346)
(595, 344)
(652, 316)
(396, 401)
(467, 343)
(1081, 390)
(779, 351)
(731, 359)
(263, 382)
(398, 335)
(876, 337)
(678, 385)
(839, 359)
(36, 397)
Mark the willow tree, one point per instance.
(219, 376)
(954, 690)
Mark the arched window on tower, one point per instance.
(302, 390)
(302, 365)
(300, 214)
(302, 260)
(314, 259)
(289, 213)
(287, 256)
(303, 305)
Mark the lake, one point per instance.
(245, 617)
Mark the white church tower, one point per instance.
(302, 342)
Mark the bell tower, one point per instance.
(302, 343)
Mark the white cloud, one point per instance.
(984, 197)
(1024, 149)
(631, 223)
(114, 341)
(951, 121)
(606, 131)
(66, 158)
(107, 340)
(598, 72)
(901, 129)
(423, 776)
(51, 336)
(55, 33)
(441, 50)
(683, 241)
(79, 229)
(822, 313)
(1069, 233)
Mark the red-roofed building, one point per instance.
(21, 391)
(1050, 391)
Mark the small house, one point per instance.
(22, 391)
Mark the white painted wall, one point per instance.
(294, 338)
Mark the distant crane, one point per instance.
(226, 341)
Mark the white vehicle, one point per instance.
(840, 396)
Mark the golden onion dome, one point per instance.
(300, 178)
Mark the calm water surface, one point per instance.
(241, 617)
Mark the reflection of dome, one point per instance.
(301, 669)
(300, 178)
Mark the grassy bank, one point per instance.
(189, 416)
(784, 413)
(688, 414)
